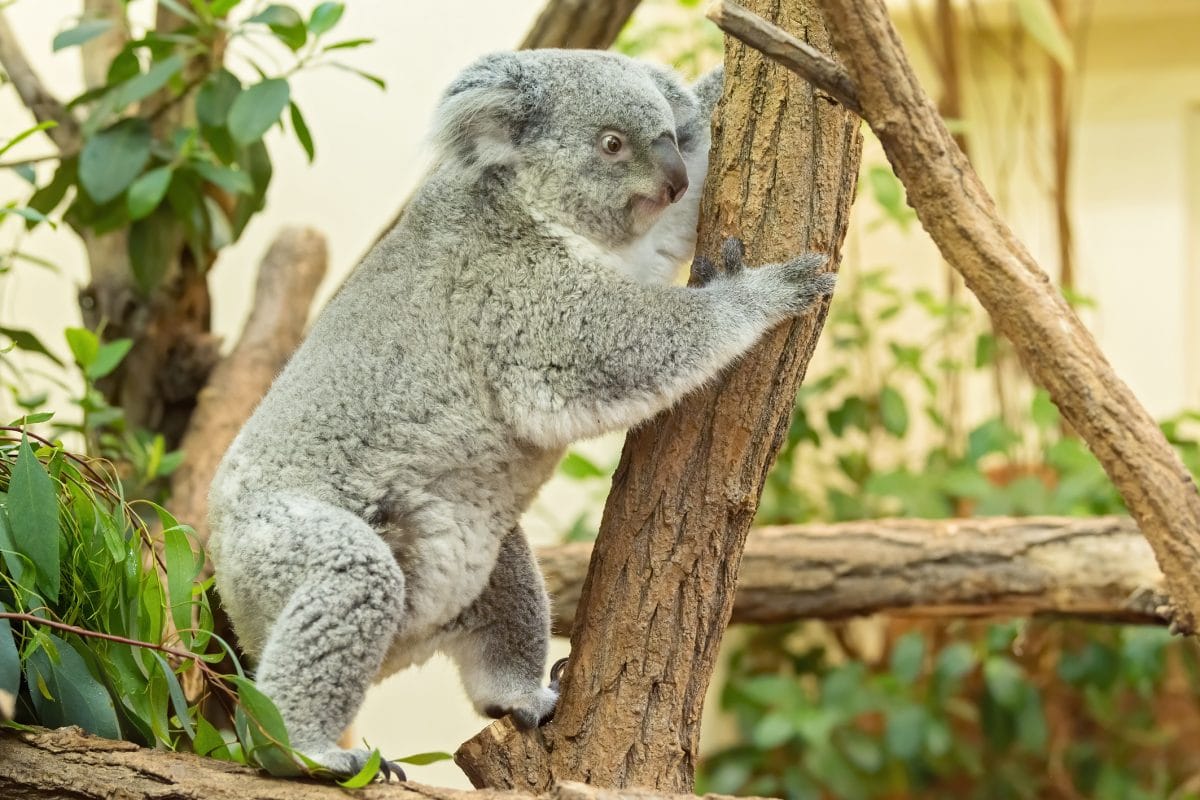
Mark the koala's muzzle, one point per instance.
(674, 172)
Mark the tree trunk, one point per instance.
(660, 587)
(579, 23)
(1093, 568)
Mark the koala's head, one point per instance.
(592, 139)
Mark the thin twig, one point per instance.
(814, 66)
(33, 92)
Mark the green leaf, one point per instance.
(348, 44)
(32, 509)
(325, 16)
(209, 742)
(151, 249)
(181, 573)
(580, 467)
(231, 180)
(24, 340)
(772, 730)
(985, 349)
(302, 132)
(375, 79)
(261, 729)
(216, 97)
(285, 22)
(84, 345)
(108, 357)
(83, 32)
(178, 700)
(220, 8)
(255, 110)
(1039, 19)
(908, 655)
(1043, 411)
(422, 759)
(889, 194)
(25, 134)
(893, 412)
(31, 214)
(1004, 681)
(148, 191)
(113, 158)
(364, 775)
(10, 659)
(144, 84)
(905, 732)
(76, 697)
(48, 198)
(13, 560)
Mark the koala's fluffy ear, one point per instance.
(482, 113)
(684, 104)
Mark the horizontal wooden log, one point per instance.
(1096, 568)
(67, 764)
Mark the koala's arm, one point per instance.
(583, 360)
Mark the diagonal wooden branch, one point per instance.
(800, 57)
(1054, 346)
(44, 106)
(287, 281)
(1090, 568)
(660, 586)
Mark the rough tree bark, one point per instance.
(1053, 345)
(660, 587)
(1091, 568)
(69, 765)
(579, 23)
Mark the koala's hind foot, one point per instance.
(347, 763)
(501, 641)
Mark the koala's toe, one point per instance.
(528, 710)
(703, 271)
(733, 255)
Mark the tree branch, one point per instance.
(41, 103)
(805, 60)
(51, 765)
(1053, 345)
(1093, 568)
(287, 281)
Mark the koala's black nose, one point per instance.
(674, 171)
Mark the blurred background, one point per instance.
(1082, 116)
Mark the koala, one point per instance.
(367, 515)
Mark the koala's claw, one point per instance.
(528, 710)
(556, 671)
(390, 769)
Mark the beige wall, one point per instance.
(1137, 214)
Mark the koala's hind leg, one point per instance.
(501, 641)
(343, 603)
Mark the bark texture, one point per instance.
(287, 280)
(67, 764)
(579, 23)
(1093, 568)
(661, 583)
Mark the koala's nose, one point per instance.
(674, 171)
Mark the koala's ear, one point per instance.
(483, 112)
(684, 104)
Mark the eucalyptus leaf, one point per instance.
(181, 574)
(108, 357)
(178, 700)
(365, 775)
(76, 697)
(84, 345)
(324, 17)
(32, 509)
(302, 133)
(27, 341)
(10, 658)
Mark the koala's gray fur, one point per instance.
(367, 514)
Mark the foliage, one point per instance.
(103, 623)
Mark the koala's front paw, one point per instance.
(347, 763)
(808, 284)
(528, 710)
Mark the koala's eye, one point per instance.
(611, 143)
